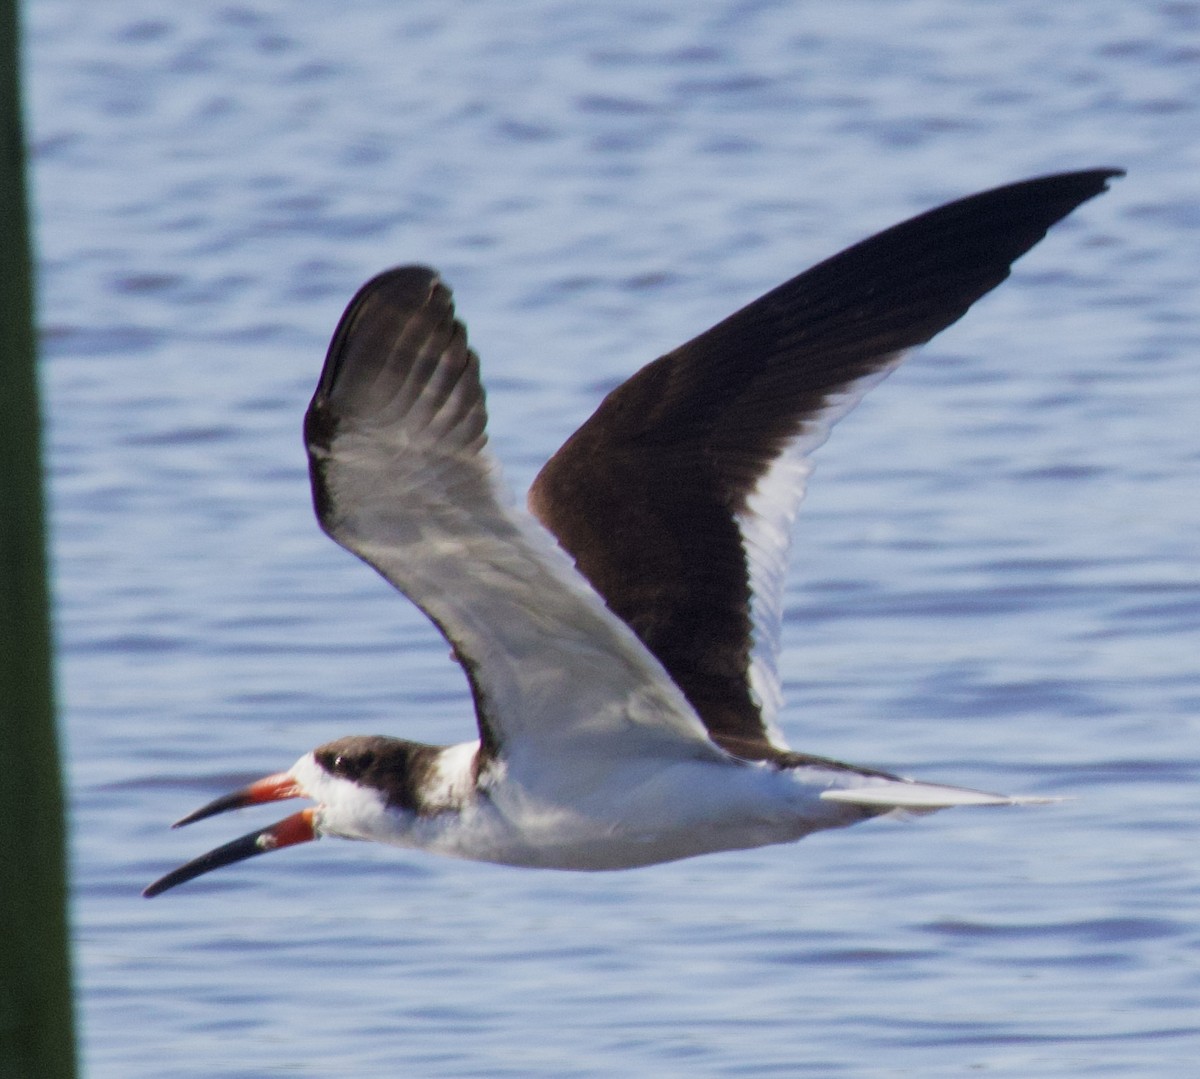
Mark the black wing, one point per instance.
(677, 495)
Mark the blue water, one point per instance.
(997, 572)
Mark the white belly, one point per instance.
(647, 812)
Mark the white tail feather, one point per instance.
(926, 796)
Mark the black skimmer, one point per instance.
(620, 642)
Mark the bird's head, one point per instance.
(364, 786)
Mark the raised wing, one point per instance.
(400, 476)
(676, 498)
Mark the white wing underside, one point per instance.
(563, 683)
(766, 530)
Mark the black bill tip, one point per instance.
(298, 828)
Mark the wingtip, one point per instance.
(1083, 184)
(1103, 177)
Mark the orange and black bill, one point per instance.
(298, 828)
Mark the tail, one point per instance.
(916, 797)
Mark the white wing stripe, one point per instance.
(766, 529)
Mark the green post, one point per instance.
(37, 1038)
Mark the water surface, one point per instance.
(996, 576)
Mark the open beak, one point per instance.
(298, 828)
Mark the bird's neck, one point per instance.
(452, 779)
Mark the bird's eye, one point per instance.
(351, 765)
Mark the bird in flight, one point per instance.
(620, 640)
